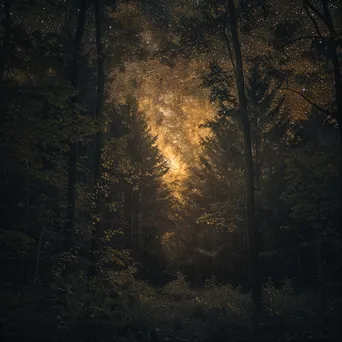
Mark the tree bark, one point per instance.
(300, 267)
(131, 222)
(337, 84)
(250, 205)
(333, 42)
(39, 249)
(73, 148)
(7, 25)
(27, 212)
(95, 241)
(321, 276)
(100, 87)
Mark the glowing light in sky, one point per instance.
(172, 97)
(175, 105)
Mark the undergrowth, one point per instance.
(176, 311)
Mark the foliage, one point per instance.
(131, 232)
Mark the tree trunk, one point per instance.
(7, 27)
(321, 276)
(131, 222)
(300, 268)
(250, 205)
(39, 249)
(332, 47)
(257, 166)
(139, 228)
(100, 88)
(71, 196)
(27, 212)
(73, 148)
(95, 241)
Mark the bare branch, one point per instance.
(299, 39)
(327, 112)
(313, 21)
(317, 12)
(329, 21)
(230, 52)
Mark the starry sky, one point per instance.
(171, 94)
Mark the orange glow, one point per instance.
(175, 105)
(172, 97)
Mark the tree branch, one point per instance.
(317, 12)
(327, 112)
(329, 21)
(313, 20)
(230, 52)
(299, 39)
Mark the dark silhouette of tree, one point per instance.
(250, 202)
(73, 152)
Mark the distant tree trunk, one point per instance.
(250, 205)
(27, 212)
(95, 241)
(139, 228)
(100, 87)
(285, 272)
(128, 218)
(7, 27)
(73, 148)
(332, 45)
(257, 166)
(131, 222)
(39, 248)
(321, 276)
(300, 267)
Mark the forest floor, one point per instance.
(177, 312)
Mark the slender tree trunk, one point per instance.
(73, 148)
(321, 276)
(250, 205)
(39, 249)
(178, 257)
(338, 97)
(337, 81)
(100, 88)
(27, 212)
(95, 241)
(71, 196)
(7, 26)
(285, 272)
(138, 227)
(131, 222)
(257, 166)
(300, 267)
(334, 57)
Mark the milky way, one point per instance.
(172, 96)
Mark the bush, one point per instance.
(128, 312)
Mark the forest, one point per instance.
(170, 170)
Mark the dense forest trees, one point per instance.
(169, 167)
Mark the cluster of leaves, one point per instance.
(217, 311)
(47, 116)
